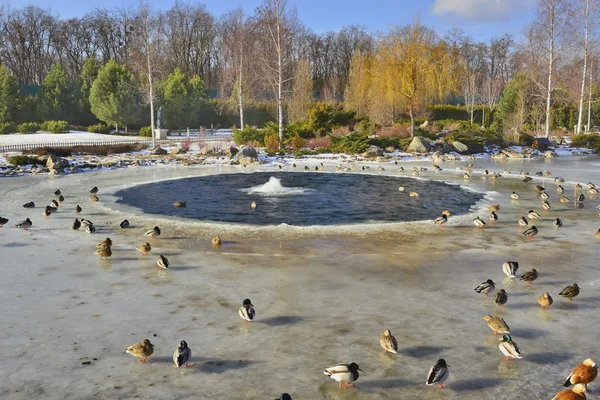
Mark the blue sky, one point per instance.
(480, 18)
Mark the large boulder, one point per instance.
(438, 157)
(158, 151)
(513, 153)
(247, 155)
(550, 154)
(56, 163)
(499, 156)
(178, 150)
(419, 145)
(448, 148)
(460, 147)
(207, 150)
(231, 151)
(372, 152)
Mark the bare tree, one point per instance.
(552, 21)
(275, 26)
(586, 11)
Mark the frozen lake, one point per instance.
(323, 295)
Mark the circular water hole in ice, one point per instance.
(299, 198)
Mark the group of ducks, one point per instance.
(343, 373)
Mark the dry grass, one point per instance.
(388, 132)
(99, 150)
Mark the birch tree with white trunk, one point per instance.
(586, 10)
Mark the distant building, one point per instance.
(541, 144)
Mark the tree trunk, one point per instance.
(589, 119)
(279, 78)
(483, 117)
(240, 103)
(412, 120)
(549, 89)
(151, 88)
(585, 53)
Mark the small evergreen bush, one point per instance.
(99, 128)
(28, 127)
(7, 128)
(24, 160)
(55, 126)
(146, 131)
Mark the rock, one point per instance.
(460, 147)
(419, 145)
(499, 156)
(390, 149)
(438, 156)
(231, 151)
(56, 163)
(247, 155)
(178, 150)
(510, 153)
(207, 150)
(550, 154)
(43, 159)
(381, 159)
(158, 151)
(424, 125)
(372, 152)
(448, 148)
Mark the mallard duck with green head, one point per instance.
(343, 373)
(509, 348)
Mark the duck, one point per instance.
(124, 224)
(141, 350)
(90, 228)
(506, 171)
(515, 196)
(105, 243)
(531, 232)
(598, 231)
(104, 252)
(486, 287)
(216, 241)
(153, 233)
(570, 292)
(77, 209)
(54, 204)
(388, 342)
(61, 198)
(558, 179)
(144, 248)
(539, 173)
(31, 204)
(3, 221)
(501, 298)
(253, 204)
(94, 190)
(564, 199)
(46, 213)
(441, 220)
(496, 324)
(86, 222)
(545, 195)
(545, 300)
(539, 188)
(485, 173)
(530, 276)
(494, 208)
(560, 189)
(557, 223)
(57, 192)
(162, 262)
(279, 167)
(306, 168)
(413, 194)
(590, 185)
(76, 224)
(593, 191)
(343, 373)
(95, 198)
(509, 348)
(523, 221)
(182, 355)
(438, 373)
(180, 204)
(380, 169)
(493, 216)
(510, 268)
(25, 224)
(246, 311)
(546, 206)
(584, 373)
(285, 396)
(401, 189)
(466, 176)
(293, 165)
(478, 222)
(527, 179)
(548, 174)
(532, 215)
(576, 393)
(581, 198)
(578, 187)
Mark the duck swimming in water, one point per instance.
(180, 204)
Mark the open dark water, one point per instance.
(300, 199)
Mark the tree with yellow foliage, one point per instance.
(416, 68)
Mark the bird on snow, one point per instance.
(438, 373)
(486, 287)
(246, 311)
(182, 355)
(343, 373)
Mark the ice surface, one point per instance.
(322, 296)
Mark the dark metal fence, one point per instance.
(169, 142)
